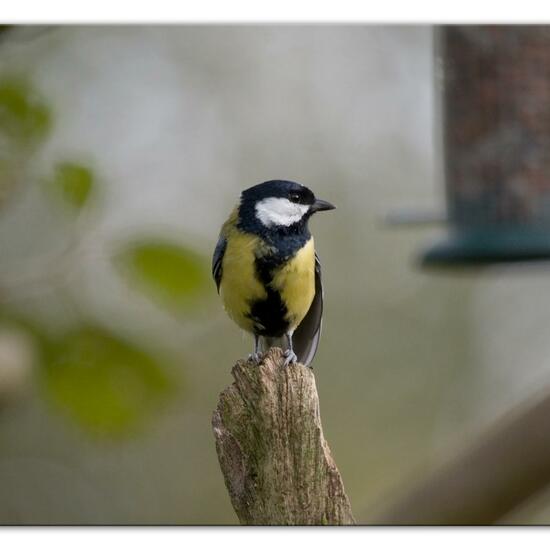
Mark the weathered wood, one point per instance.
(276, 463)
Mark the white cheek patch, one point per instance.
(279, 211)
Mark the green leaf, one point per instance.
(170, 273)
(105, 384)
(24, 116)
(73, 182)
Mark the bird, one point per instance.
(267, 272)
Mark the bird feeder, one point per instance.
(495, 111)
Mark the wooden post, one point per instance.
(277, 466)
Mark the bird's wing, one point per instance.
(306, 337)
(217, 260)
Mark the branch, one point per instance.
(502, 470)
(276, 463)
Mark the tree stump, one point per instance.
(277, 466)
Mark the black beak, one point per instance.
(319, 205)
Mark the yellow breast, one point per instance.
(295, 281)
(239, 286)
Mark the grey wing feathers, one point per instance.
(306, 337)
(217, 261)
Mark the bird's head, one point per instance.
(279, 204)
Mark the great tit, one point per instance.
(267, 272)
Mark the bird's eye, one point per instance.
(294, 197)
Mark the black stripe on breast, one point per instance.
(268, 315)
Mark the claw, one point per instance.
(255, 357)
(290, 358)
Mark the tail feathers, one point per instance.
(304, 349)
(304, 345)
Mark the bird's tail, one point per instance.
(304, 348)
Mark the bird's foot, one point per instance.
(290, 358)
(255, 357)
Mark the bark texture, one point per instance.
(276, 463)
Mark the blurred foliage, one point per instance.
(73, 182)
(173, 275)
(107, 385)
(25, 121)
(25, 118)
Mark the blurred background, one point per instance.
(122, 151)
